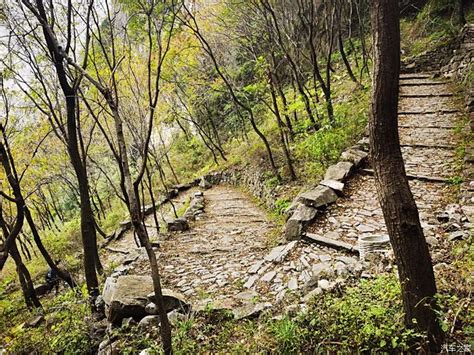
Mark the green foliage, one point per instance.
(288, 335)
(367, 317)
(65, 329)
(431, 29)
(319, 149)
(281, 205)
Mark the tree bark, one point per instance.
(398, 205)
(88, 233)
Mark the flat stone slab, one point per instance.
(333, 184)
(335, 244)
(279, 253)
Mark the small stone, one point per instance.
(255, 267)
(293, 284)
(149, 322)
(459, 235)
(341, 268)
(279, 253)
(363, 228)
(324, 284)
(246, 295)
(178, 225)
(250, 311)
(268, 276)
(251, 280)
(312, 294)
(325, 258)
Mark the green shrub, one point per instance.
(368, 317)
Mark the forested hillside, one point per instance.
(236, 176)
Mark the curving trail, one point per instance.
(227, 255)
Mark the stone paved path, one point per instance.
(427, 121)
(226, 257)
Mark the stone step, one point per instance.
(423, 83)
(434, 179)
(425, 95)
(430, 146)
(449, 127)
(439, 112)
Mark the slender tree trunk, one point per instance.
(63, 274)
(397, 202)
(346, 61)
(31, 299)
(286, 150)
(138, 225)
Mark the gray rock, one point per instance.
(250, 311)
(354, 156)
(458, 235)
(325, 285)
(172, 300)
(268, 276)
(246, 295)
(178, 225)
(126, 297)
(337, 186)
(293, 229)
(295, 226)
(149, 322)
(204, 183)
(128, 322)
(312, 294)
(341, 268)
(251, 280)
(175, 317)
(35, 322)
(108, 347)
(293, 284)
(339, 171)
(255, 267)
(318, 197)
(279, 253)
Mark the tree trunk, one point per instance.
(63, 274)
(397, 202)
(286, 149)
(31, 299)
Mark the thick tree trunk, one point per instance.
(397, 202)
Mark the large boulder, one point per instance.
(339, 171)
(130, 295)
(126, 296)
(318, 197)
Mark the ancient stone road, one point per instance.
(227, 257)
